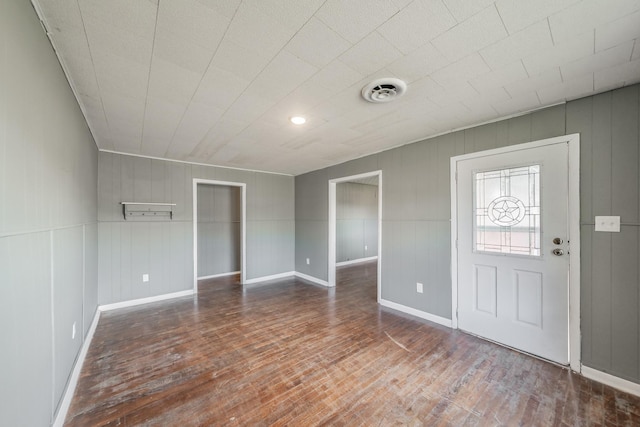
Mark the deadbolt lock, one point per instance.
(558, 241)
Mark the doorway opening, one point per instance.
(219, 229)
(515, 247)
(355, 222)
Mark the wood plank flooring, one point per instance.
(289, 353)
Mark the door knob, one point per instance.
(558, 252)
(558, 241)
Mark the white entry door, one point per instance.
(512, 249)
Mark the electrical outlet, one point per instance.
(308, 262)
(73, 331)
(145, 277)
(609, 224)
(366, 247)
(419, 287)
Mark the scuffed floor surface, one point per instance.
(291, 353)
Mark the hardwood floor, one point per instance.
(291, 353)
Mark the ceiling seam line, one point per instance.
(335, 59)
(260, 72)
(553, 42)
(501, 20)
(310, 77)
(213, 55)
(95, 75)
(446, 6)
(525, 68)
(122, 153)
(146, 97)
(64, 66)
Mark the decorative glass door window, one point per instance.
(507, 211)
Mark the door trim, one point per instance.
(573, 143)
(332, 225)
(243, 226)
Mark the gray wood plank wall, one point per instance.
(48, 231)
(164, 249)
(356, 221)
(609, 185)
(416, 214)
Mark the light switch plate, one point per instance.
(610, 224)
(145, 277)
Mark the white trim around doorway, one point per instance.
(243, 226)
(573, 142)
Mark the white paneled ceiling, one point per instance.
(216, 81)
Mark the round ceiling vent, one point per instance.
(384, 90)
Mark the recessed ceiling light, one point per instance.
(297, 120)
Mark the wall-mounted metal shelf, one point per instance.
(153, 210)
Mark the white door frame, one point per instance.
(573, 142)
(332, 224)
(243, 226)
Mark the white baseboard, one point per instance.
(285, 275)
(312, 279)
(356, 261)
(271, 277)
(611, 380)
(418, 313)
(132, 303)
(214, 276)
(75, 373)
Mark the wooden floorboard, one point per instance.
(289, 353)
